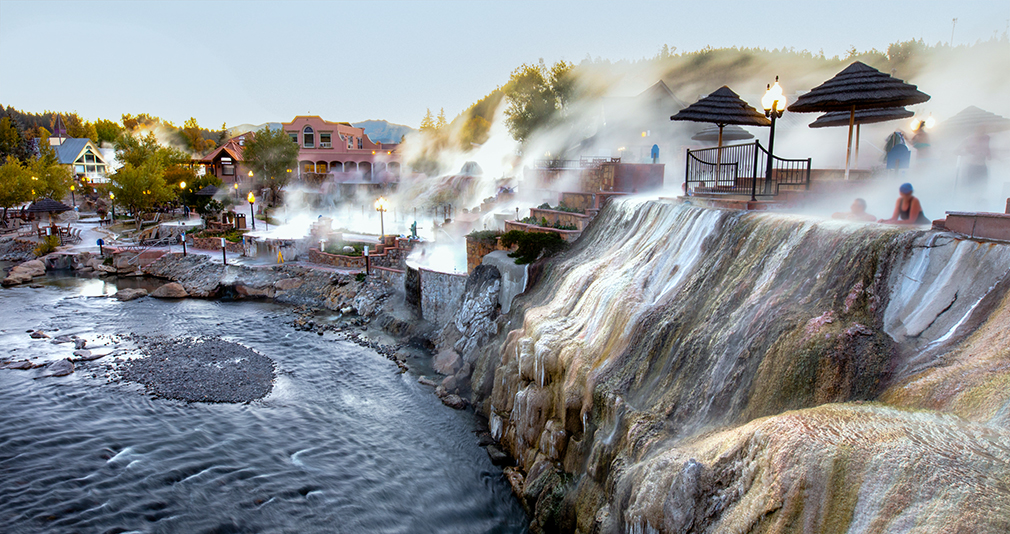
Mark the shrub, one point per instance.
(360, 277)
(489, 237)
(532, 245)
(47, 245)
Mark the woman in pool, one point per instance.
(907, 209)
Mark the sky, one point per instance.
(256, 62)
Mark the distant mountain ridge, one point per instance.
(383, 131)
(376, 130)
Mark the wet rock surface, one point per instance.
(200, 370)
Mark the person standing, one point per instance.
(920, 141)
(907, 209)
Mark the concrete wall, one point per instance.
(441, 295)
(568, 235)
(563, 218)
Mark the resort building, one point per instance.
(82, 156)
(226, 162)
(338, 147)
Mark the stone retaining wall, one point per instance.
(563, 218)
(214, 243)
(568, 235)
(441, 294)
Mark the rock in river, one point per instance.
(130, 294)
(59, 368)
(171, 290)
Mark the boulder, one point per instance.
(59, 368)
(454, 401)
(288, 284)
(15, 278)
(449, 383)
(171, 290)
(447, 362)
(425, 381)
(247, 291)
(130, 294)
(80, 343)
(33, 267)
(22, 365)
(38, 334)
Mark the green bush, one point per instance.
(489, 237)
(532, 245)
(338, 248)
(47, 245)
(360, 277)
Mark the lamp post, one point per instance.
(112, 200)
(774, 104)
(252, 213)
(236, 190)
(381, 205)
(73, 198)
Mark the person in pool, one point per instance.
(907, 209)
(857, 212)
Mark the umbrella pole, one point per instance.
(718, 158)
(855, 162)
(848, 149)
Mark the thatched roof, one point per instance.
(859, 85)
(863, 116)
(729, 133)
(971, 118)
(723, 106)
(48, 205)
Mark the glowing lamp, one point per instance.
(915, 124)
(251, 198)
(236, 185)
(112, 196)
(774, 98)
(250, 174)
(182, 185)
(930, 121)
(72, 188)
(381, 204)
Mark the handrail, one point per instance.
(742, 170)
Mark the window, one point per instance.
(79, 169)
(350, 140)
(324, 139)
(308, 137)
(228, 170)
(294, 137)
(359, 142)
(308, 167)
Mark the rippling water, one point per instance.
(342, 444)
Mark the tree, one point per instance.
(192, 134)
(537, 97)
(140, 188)
(271, 154)
(47, 177)
(137, 150)
(428, 122)
(13, 141)
(107, 131)
(440, 122)
(14, 187)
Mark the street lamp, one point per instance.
(112, 200)
(774, 104)
(73, 198)
(381, 206)
(236, 190)
(252, 200)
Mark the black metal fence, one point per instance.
(742, 170)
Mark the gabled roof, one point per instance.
(71, 149)
(231, 147)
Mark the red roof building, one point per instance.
(337, 147)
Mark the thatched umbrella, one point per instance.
(722, 107)
(858, 86)
(49, 206)
(207, 191)
(730, 133)
(970, 119)
(863, 116)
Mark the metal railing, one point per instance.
(742, 170)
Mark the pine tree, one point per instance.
(440, 122)
(428, 122)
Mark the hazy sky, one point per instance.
(254, 62)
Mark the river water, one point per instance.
(342, 444)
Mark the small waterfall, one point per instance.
(665, 323)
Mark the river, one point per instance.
(343, 443)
